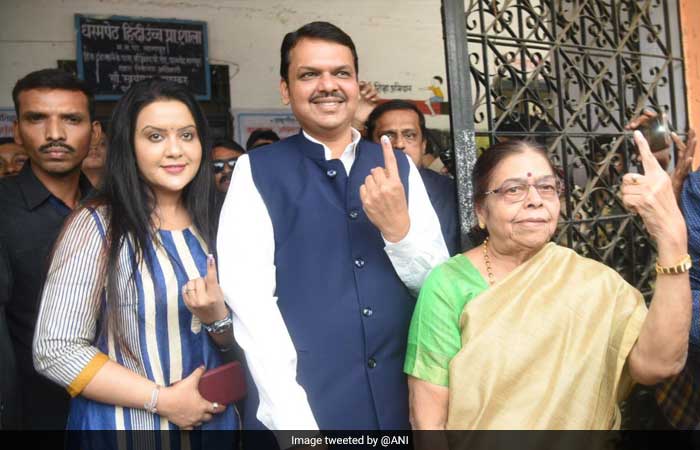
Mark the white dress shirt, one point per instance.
(246, 249)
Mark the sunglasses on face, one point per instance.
(219, 165)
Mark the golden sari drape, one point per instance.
(546, 347)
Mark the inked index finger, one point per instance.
(649, 162)
(390, 163)
(211, 277)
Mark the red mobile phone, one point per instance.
(223, 385)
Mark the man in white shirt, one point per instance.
(339, 236)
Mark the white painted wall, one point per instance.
(398, 41)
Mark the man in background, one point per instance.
(12, 157)
(224, 155)
(260, 137)
(404, 124)
(55, 127)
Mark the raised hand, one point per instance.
(662, 156)
(368, 100)
(384, 198)
(204, 297)
(182, 404)
(651, 196)
(684, 162)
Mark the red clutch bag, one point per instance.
(223, 385)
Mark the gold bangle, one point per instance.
(681, 267)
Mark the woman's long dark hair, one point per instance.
(130, 201)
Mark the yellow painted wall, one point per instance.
(690, 18)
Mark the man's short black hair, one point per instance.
(438, 78)
(315, 30)
(53, 79)
(394, 105)
(260, 133)
(229, 144)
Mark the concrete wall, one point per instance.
(398, 42)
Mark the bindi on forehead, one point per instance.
(530, 176)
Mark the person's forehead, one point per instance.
(399, 118)
(519, 165)
(224, 153)
(319, 52)
(53, 100)
(167, 114)
(11, 149)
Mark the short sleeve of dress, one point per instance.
(434, 336)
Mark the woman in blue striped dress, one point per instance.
(132, 313)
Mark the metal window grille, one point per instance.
(570, 74)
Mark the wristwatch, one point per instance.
(219, 326)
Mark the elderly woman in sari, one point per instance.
(520, 333)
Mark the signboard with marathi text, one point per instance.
(7, 120)
(115, 51)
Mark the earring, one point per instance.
(482, 225)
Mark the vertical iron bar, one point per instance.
(461, 114)
(568, 174)
(684, 91)
(586, 70)
(630, 230)
(524, 109)
(671, 75)
(622, 103)
(487, 77)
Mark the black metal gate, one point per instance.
(570, 73)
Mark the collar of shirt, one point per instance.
(348, 155)
(35, 193)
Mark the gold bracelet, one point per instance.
(682, 266)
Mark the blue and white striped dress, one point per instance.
(162, 340)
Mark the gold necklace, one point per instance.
(487, 261)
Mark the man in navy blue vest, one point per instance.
(404, 124)
(339, 234)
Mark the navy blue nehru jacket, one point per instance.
(345, 308)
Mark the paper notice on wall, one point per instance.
(7, 118)
(281, 121)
